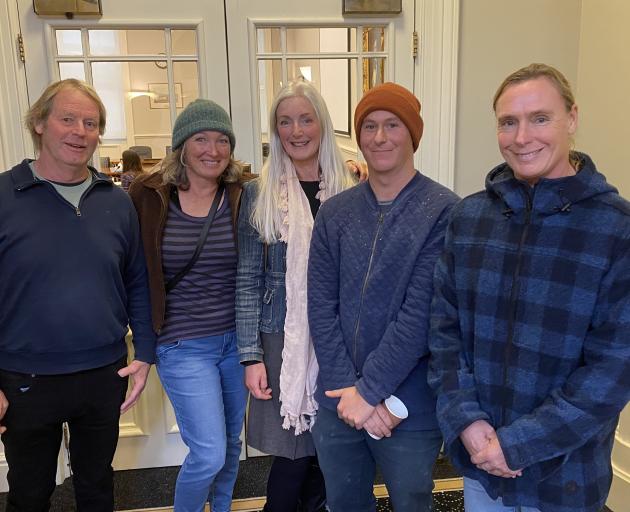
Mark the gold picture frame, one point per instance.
(362, 7)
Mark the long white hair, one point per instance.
(266, 217)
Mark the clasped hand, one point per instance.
(481, 441)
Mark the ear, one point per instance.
(39, 127)
(573, 119)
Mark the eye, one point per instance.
(199, 139)
(92, 125)
(223, 141)
(392, 124)
(307, 120)
(368, 126)
(506, 124)
(283, 122)
(67, 119)
(540, 119)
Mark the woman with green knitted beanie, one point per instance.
(187, 212)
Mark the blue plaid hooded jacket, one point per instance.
(530, 331)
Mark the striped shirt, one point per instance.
(202, 303)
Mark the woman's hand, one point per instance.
(256, 381)
(359, 169)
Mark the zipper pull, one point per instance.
(77, 211)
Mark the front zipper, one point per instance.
(379, 225)
(513, 299)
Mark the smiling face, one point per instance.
(207, 155)
(386, 143)
(299, 131)
(69, 135)
(534, 130)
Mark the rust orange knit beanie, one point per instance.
(392, 98)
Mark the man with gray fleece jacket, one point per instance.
(370, 274)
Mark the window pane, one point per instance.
(69, 42)
(184, 42)
(303, 40)
(269, 40)
(373, 72)
(374, 39)
(149, 109)
(269, 83)
(108, 78)
(335, 39)
(334, 85)
(71, 70)
(186, 74)
(126, 42)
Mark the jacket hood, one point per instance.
(548, 196)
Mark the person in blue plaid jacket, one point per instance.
(530, 328)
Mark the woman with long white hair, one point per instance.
(304, 168)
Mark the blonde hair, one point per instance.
(173, 169)
(556, 78)
(266, 217)
(40, 110)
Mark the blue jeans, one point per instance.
(204, 381)
(348, 458)
(476, 499)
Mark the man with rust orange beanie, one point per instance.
(369, 290)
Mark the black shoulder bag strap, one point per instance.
(200, 242)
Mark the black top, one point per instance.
(311, 188)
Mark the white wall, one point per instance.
(497, 37)
(603, 99)
(603, 92)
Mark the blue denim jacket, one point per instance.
(260, 292)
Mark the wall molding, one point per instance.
(436, 86)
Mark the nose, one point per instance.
(297, 129)
(522, 134)
(213, 148)
(78, 127)
(380, 137)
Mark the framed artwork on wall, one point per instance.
(372, 6)
(158, 95)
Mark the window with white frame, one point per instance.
(145, 77)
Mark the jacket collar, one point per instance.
(23, 178)
(418, 180)
(548, 196)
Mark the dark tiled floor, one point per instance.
(145, 488)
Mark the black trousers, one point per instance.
(295, 485)
(89, 401)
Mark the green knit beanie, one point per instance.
(202, 115)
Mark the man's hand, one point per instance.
(352, 408)
(4, 405)
(381, 422)
(492, 460)
(139, 372)
(256, 381)
(476, 436)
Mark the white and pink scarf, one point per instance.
(298, 374)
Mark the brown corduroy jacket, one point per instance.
(150, 196)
